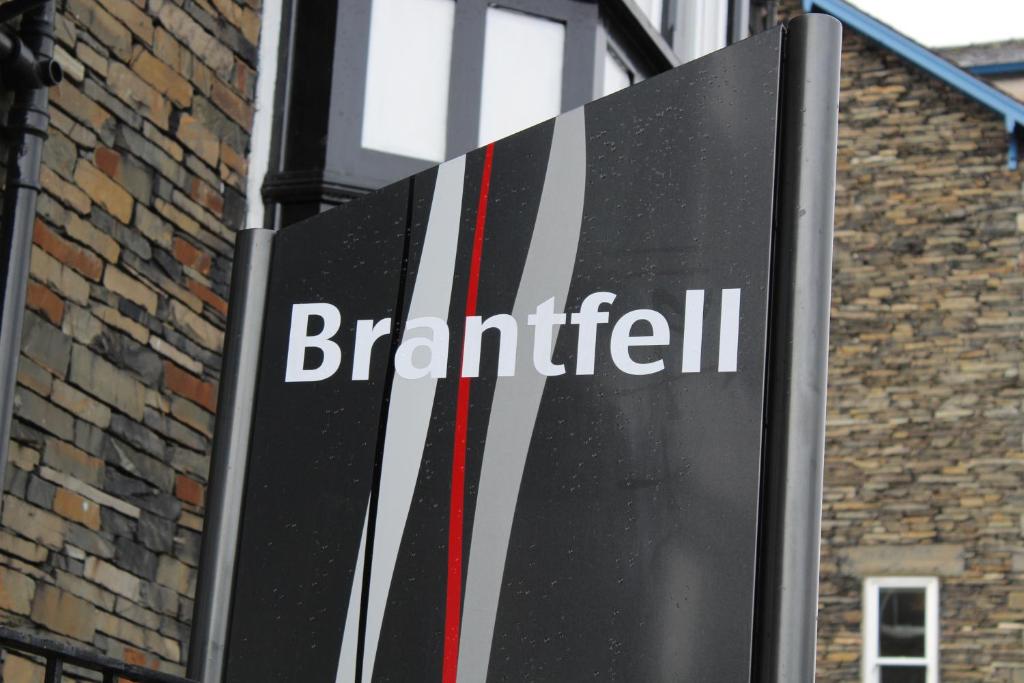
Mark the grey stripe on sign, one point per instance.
(412, 403)
(547, 273)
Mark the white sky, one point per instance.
(939, 23)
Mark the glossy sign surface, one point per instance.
(510, 410)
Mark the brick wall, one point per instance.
(143, 178)
(924, 467)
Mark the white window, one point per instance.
(621, 68)
(616, 74)
(901, 630)
(522, 74)
(412, 82)
(705, 26)
(408, 64)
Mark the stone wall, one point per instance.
(143, 179)
(924, 465)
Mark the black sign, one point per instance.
(510, 410)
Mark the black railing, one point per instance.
(56, 655)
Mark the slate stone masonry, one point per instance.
(143, 190)
(924, 465)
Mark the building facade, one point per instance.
(158, 153)
(143, 182)
(923, 459)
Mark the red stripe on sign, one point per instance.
(453, 602)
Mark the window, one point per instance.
(621, 66)
(616, 74)
(618, 70)
(520, 87)
(420, 81)
(373, 90)
(397, 84)
(704, 25)
(901, 630)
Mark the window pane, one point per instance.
(407, 74)
(903, 674)
(522, 80)
(901, 622)
(704, 24)
(717, 26)
(653, 10)
(616, 75)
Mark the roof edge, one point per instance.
(919, 55)
(997, 69)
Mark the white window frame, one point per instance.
(871, 662)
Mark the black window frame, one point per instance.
(317, 159)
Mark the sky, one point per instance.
(942, 23)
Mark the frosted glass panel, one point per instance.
(653, 10)
(616, 75)
(522, 80)
(407, 71)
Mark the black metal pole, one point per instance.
(798, 362)
(249, 277)
(27, 124)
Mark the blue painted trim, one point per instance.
(1004, 69)
(919, 55)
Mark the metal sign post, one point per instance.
(794, 460)
(553, 409)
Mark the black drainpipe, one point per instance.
(27, 68)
